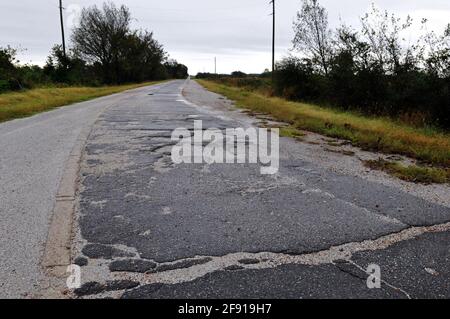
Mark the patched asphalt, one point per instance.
(420, 266)
(33, 156)
(288, 282)
(140, 213)
(416, 268)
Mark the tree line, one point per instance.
(105, 50)
(374, 69)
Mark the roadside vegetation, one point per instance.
(15, 105)
(382, 86)
(431, 147)
(105, 56)
(412, 173)
(384, 67)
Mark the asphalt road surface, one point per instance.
(33, 153)
(151, 229)
(148, 228)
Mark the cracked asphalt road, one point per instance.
(148, 228)
(33, 154)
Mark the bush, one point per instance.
(124, 56)
(372, 71)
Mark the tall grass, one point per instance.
(26, 103)
(412, 173)
(384, 135)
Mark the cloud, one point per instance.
(194, 32)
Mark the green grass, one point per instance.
(21, 104)
(427, 145)
(413, 173)
(291, 132)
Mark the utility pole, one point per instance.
(215, 65)
(273, 40)
(62, 27)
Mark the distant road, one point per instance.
(33, 153)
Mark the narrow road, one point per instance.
(33, 153)
(147, 228)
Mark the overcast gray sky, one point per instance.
(238, 32)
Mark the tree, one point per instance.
(176, 70)
(105, 50)
(141, 58)
(7, 59)
(312, 35)
(67, 68)
(295, 79)
(238, 74)
(8, 71)
(438, 61)
(105, 40)
(349, 42)
(382, 31)
(100, 36)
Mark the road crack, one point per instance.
(190, 269)
(383, 281)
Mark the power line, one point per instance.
(62, 27)
(273, 40)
